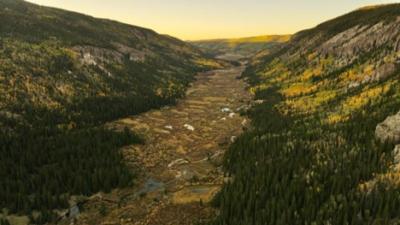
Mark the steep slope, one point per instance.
(234, 49)
(312, 156)
(62, 75)
(44, 45)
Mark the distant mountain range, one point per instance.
(239, 48)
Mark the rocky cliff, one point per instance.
(345, 64)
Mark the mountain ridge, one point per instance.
(258, 38)
(241, 48)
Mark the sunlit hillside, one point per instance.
(313, 156)
(257, 39)
(241, 47)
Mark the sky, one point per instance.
(210, 19)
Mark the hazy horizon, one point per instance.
(210, 19)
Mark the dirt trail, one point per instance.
(180, 164)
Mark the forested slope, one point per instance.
(62, 75)
(311, 156)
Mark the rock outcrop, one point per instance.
(389, 130)
(362, 38)
(396, 153)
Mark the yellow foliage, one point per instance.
(356, 74)
(309, 73)
(362, 99)
(336, 118)
(260, 39)
(311, 56)
(208, 63)
(350, 75)
(277, 74)
(260, 87)
(326, 62)
(281, 77)
(299, 89)
(368, 70)
(310, 103)
(391, 58)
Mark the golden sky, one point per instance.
(209, 19)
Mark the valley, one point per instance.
(180, 161)
(106, 123)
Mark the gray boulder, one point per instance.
(389, 130)
(396, 161)
(396, 153)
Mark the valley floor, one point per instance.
(179, 166)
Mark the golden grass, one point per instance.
(188, 195)
(256, 39)
(260, 39)
(208, 63)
